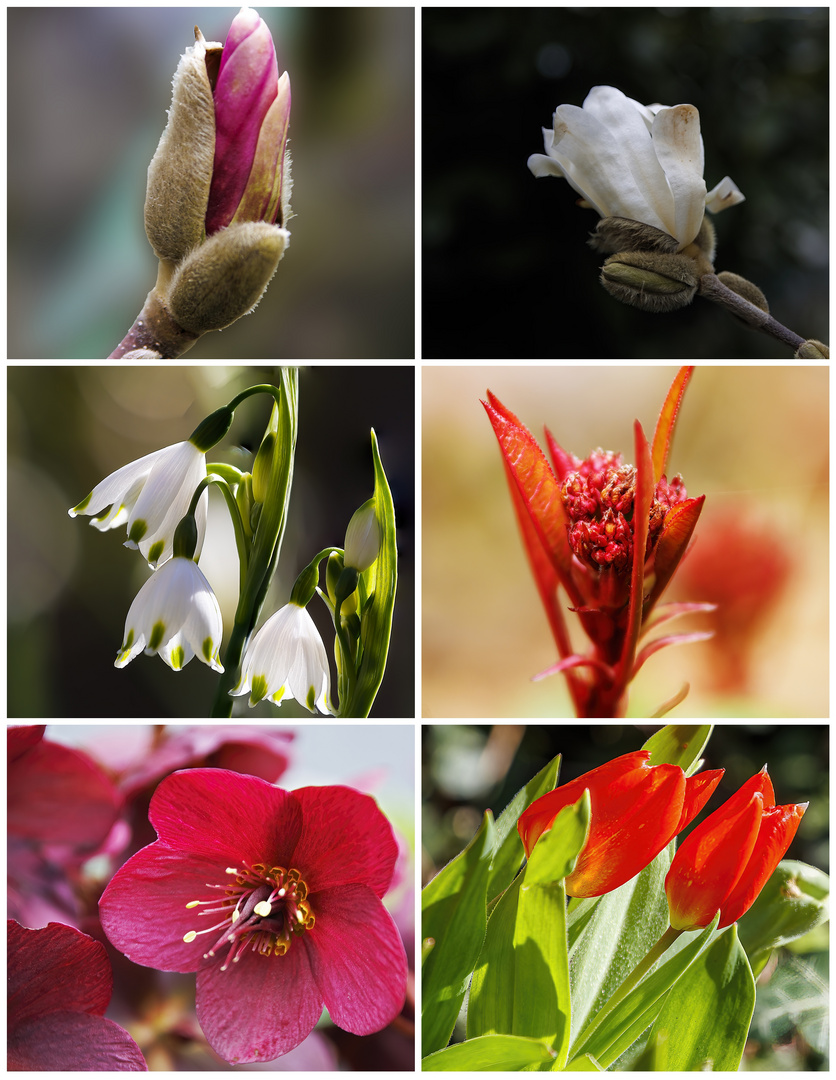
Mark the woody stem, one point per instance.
(713, 289)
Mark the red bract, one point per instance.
(59, 985)
(636, 810)
(273, 898)
(726, 861)
(582, 524)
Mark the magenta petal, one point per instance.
(21, 739)
(260, 1007)
(227, 816)
(60, 796)
(358, 959)
(345, 838)
(247, 85)
(143, 910)
(55, 968)
(73, 1042)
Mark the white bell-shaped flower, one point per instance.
(175, 614)
(151, 494)
(286, 659)
(642, 162)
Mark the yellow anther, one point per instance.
(192, 934)
(263, 908)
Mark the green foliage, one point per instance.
(705, 1018)
(489, 1052)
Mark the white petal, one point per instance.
(724, 195)
(678, 144)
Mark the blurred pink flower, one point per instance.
(59, 985)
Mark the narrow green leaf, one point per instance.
(638, 1009)
(584, 1063)
(679, 744)
(454, 917)
(488, 1053)
(616, 932)
(380, 583)
(509, 852)
(706, 1015)
(521, 983)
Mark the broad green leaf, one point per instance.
(521, 982)
(606, 1040)
(707, 1013)
(488, 1053)
(454, 916)
(584, 1063)
(793, 902)
(617, 931)
(509, 852)
(794, 997)
(679, 744)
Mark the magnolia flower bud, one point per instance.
(226, 276)
(652, 281)
(615, 234)
(744, 288)
(813, 350)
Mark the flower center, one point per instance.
(599, 498)
(261, 911)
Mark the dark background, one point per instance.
(506, 269)
(70, 586)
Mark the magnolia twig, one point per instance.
(713, 289)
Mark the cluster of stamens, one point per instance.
(599, 499)
(261, 911)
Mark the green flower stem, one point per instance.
(346, 683)
(633, 979)
(266, 543)
(713, 289)
(241, 543)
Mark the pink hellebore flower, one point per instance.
(59, 985)
(289, 885)
(252, 115)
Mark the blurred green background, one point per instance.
(506, 268)
(470, 768)
(753, 440)
(70, 587)
(91, 90)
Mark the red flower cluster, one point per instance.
(582, 522)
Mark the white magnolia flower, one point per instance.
(286, 659)
(175, 614)
(642, 162)
(151, 494)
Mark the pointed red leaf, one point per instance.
(673, 541)
(642, 502)
(673, 611)
(672, 639)
(575, 661)
(663, 435)
(537, 484)
(564, 462)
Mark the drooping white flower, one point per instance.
(286, 659)
(175, 614)
(151, 494)
(642, 162)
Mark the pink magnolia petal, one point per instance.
(55, 968)
(358, 959)
(143, 910)
(260, 1007)
(345, 839)
(73, 1042)
(225, 815)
